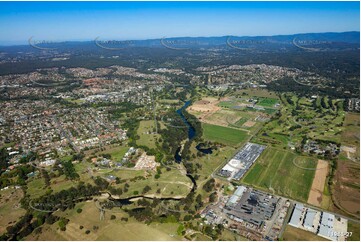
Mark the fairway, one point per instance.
(276, 172)
(227, 136)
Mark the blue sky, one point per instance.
(57, 21)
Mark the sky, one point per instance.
(59, 21)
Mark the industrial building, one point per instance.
(242, 161)
(250, 206)
(323, 224)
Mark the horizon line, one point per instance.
(26, 42)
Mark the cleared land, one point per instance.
(276, 172)
(316, 194)
(346, 186)
(206, 105)
(346, 189)
(350, 137)
(295, 234)
(227, 136)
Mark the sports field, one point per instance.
(267, 102)
(276, 172)
(224, 135)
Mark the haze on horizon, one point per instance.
(60, 21)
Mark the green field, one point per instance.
(227, 136)
(295, 234)
(227, 104)
(146, 136)
(275, 171)
(240, 122)
(107, 229)
(171, 183)
(267, 102)
(117, 153)
(355, 229)
(10, 209)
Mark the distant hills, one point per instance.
(328, 40)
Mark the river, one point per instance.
(191, 134)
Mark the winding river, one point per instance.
(191, 134)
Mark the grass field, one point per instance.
(36, 187)
(108, 229)
(10, 210)
(267, 102)
(295, 234)
(227, 136)
(171, 183)
(147, 138)
(275, 171)
(117, 153)
(355, 229)
(227, 104)
(251, 92)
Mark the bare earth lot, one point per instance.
(318, 185)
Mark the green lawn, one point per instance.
(117, 153)
(276, 172)
(146, 136)
(227, 136)
(171, 183)
(227, 104)
(267, 102)
(355, 229)
(296, 234)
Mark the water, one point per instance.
(127, 201)
(191, 134)
(203, 150)
(191, 130)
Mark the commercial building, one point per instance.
(250, 206)
(242, 161)
(323, 224)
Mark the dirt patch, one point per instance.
(318, 184)
(206, 107)
(350, 151)
(249, 124)
(346, 190)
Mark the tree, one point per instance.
(146, 189)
